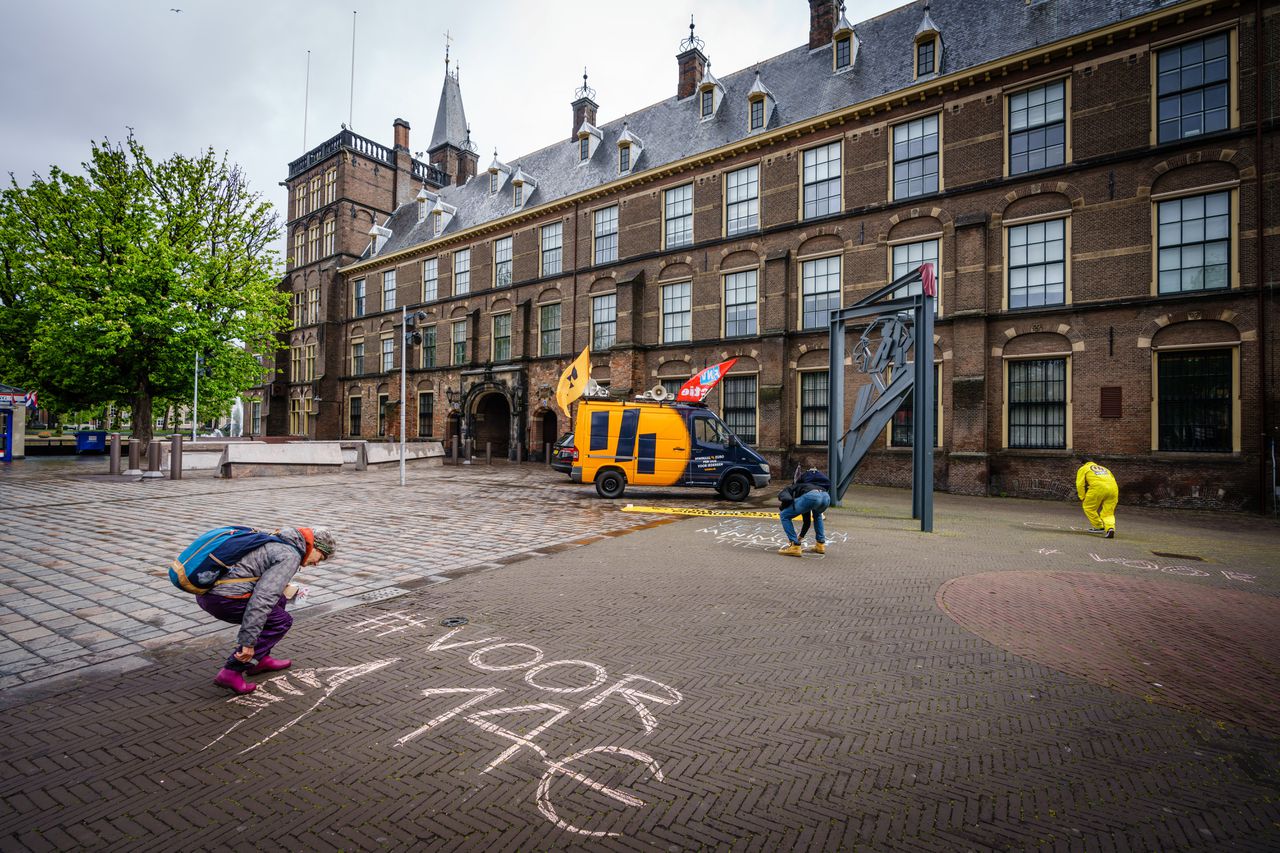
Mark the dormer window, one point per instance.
(629, 148)
(757, 113)
(925, 58)
(760, 101)
(498, 172)
(710, 94)
(493, 182)
(522, 186)
(842, 52)
(708, 102)
(589, 137)
(517, 195)
(437, 223)
(844, 44)
(624, 159)
(584, 149)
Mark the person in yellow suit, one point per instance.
(1099, 495)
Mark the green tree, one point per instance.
(111, 282)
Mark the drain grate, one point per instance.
(382, 594)
(1174, 556)
(454, 621)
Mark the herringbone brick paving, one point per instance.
(815, 703)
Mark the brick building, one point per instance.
(1095, 181)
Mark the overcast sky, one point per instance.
(232, 74)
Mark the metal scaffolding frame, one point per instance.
(891, 327)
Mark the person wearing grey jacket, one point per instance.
(252, 594)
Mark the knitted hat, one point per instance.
(324, 542)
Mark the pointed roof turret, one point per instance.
(451, 120)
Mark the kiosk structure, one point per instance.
(13, 422)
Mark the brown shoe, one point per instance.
(819, 548)
(792, 550)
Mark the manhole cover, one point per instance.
(382, 594)
(454, 621)
(1173, 556)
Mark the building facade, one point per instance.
(1095, 183)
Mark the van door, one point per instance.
(710, 451)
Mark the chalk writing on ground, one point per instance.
(758, 535)
(521, 725)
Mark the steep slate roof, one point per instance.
(451, 119)
(803, 86)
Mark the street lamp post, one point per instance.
(195, 401)
(411, 336)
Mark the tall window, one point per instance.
(299, 246)
(604, 321)
(552, 237)
(461, 272)
(313, 305)
(300, 200)
(426, 413)
(925, 58)
(357, 298)
(430, 279)
(382, 414)
(549, 329)
(677, 227)
(677, 312)
(742, 201)
(1192, 88)
(740, 303)
(819, 291)
(315, 193)
(388, 355)
(330, 226)
(1194, 234)
(740, 406)
(813, 407)
(437, 223)
(915, 157)
(295, 364)
(255, 422)
(584, 149)
(517, 195)
(313, 242)
(388, 290)
(822, 180)
(299, 309)
(707, 102)
(502, 337)
(757, 113)
(672, 386)
(909, 256)
(493, 182)
(502, 262)
(624, 159)
(459, 340)
(902, 428)
(297, 416)
(842, 52)
(606, 235)
(429, 346)
(357, 358)
(331, 186)
(353, 415)
(1038, 403)
(1037, 265)
(1038, 128)
(1195, 401)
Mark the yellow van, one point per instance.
(645, 443)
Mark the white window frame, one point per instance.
(810, 275)
(669, 200)
(668, 295)
(502, 263)
(816, 173)
(899, 266)
(544, 330)
(389, 293)
(742, 195)
(495, 338)
(551, 240)
(740, 280)
(907, 130)
(612, 311)
(604, 242)
(461, 272)
(431, 279)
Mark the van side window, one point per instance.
(708, 431)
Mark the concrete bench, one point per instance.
(272, 460)
(380, 453)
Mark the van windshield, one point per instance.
(710, 431)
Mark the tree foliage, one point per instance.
(112, 281)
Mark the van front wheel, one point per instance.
(610, 484)
(736, 487)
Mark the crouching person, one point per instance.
(809, 495)
(252, 593)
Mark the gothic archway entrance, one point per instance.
(492, 419)
(549, 437)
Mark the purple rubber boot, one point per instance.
(270, 664)
(233, 680)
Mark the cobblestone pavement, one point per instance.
(682, 686)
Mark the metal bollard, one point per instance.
(546, 453)
(153, 456)
(519, 452)
(114, 458)
(135, 455)
(488, 453)
(453, 449)
(175, 457)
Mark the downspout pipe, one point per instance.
(1264, 372)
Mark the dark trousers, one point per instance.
(232, 610)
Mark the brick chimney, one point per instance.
(584, 107)
(692, 63)
(822, 21)
(400, 128)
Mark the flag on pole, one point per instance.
(700, 384)
(31, 400)
(573, 382)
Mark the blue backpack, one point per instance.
(202, 564)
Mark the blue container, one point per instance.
(91, 441)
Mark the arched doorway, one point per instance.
(549, 431)
(492, 419)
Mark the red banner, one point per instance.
(700, 384)
(927, 282)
